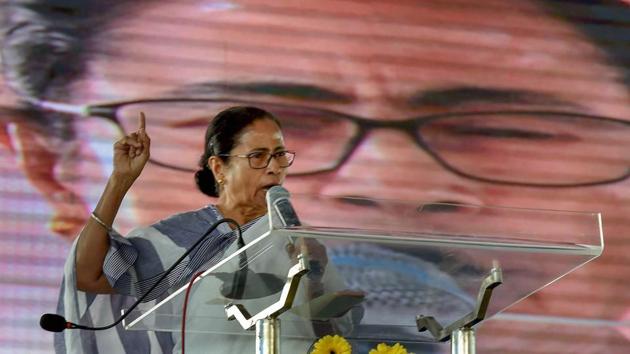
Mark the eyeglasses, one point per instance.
(261, 159)
(526, 148)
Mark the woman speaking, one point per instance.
(244, 156)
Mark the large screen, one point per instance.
(516, 103)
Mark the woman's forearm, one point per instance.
(93, 242)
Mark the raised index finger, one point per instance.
(142, 122)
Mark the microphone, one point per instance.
(53, 322)
(279, 204)
(245, 283)
(278, 198)
(57, 323)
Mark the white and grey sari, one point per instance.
(132, 265)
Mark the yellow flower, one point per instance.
(386, 349)
(332, 345)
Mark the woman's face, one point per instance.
(242, 184)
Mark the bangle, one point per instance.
(100, 222)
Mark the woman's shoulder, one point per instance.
(208, 213)
(193, 222)
(187, 222)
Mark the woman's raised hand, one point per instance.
(131, 153)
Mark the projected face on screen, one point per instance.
(435, 103)
(398, 104)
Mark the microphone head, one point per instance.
(52, 322)
(280, 208)
(276, 192)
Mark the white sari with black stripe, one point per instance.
(132, 265)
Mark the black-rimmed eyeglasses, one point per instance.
(528, 148)
(261, 159)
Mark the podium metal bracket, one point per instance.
(247, 321)
(461, 332)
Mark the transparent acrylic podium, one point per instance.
(373, 271)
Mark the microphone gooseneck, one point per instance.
(57, 323)
(278, 200)
(245, 283)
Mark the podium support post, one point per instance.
(268, 336)
(463, 341)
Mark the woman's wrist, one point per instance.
(120, 182)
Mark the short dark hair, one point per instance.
(222, 136)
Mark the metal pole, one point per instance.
(268, 336)
(463, 341)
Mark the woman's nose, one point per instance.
(274, 166)
(389, 164)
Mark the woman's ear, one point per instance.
(216, 165)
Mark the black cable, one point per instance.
(57, 323)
